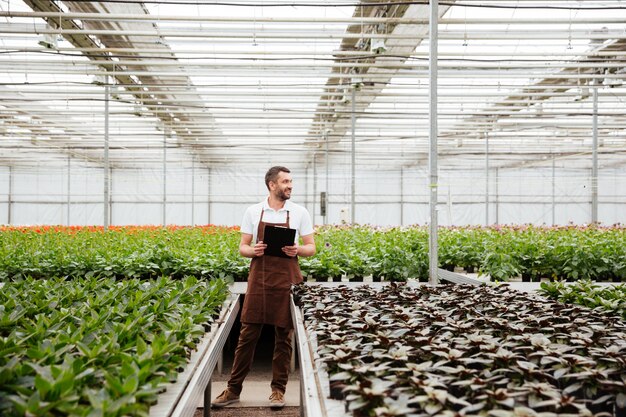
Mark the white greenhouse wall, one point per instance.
(39, 195)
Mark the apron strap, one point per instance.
(261, 222)
(263, 212)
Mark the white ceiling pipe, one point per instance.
(506, 134)
(535, 147)
(375, 126)
(324, 64)
(420, 147)
(512, 130)
(509, 134)
(86, 67)
(392, 86)
(226, 26)
(181, 63)
(613, 94)
(329, 54)
(382, 116)
(373, 149)
(400, 141)
(479, 51)
(449, 112)
(469, 97)
(125, 98)
(110, 17)
(298, 139)
(285, 40)
(179, 103)
(237, 112)
(400, 126)
(564, 34)
(580, 135)
(298, 113)
(560, 117)
(367, 149)
(261, 33)
(246, 73)
(261, 19)
(520, 132)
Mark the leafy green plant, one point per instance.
(132, 252)
(97, 346)
(391, 254)
(611, 298)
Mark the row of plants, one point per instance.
(584, 292)
(353, 252)
(502, 252)
(121, 252)
(458, 350)
(98, 346)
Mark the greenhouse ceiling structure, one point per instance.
(171, 111)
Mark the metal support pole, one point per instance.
(594, 156)
(432, 135)
(206, 411)
(327, 184)
(353, 161)
(401, 196)
(193, 190)
(209, 195)
(306, 187)
(164, 202)
(497, 202)
(553, 191)
(10, 202)
(107, 178)
(450, 218)
(111, 187)
(69, 176)
(302, 394)
(314, 186)
(486, 179)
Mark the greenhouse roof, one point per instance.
(246, 83)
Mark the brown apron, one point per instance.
(269, 286)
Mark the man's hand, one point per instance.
(291, 251)
(247, 249)
(259, 249)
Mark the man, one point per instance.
(269, 285)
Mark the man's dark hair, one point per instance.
(272, 174)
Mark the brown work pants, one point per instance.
(244, 354)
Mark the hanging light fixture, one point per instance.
(98, 80)
(610, 82)
(48, 41)
(378, 46)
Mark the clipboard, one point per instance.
(275, 237)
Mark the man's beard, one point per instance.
(282, 196)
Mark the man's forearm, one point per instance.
(246, 251)
(306, 250)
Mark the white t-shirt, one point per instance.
(299, 218)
